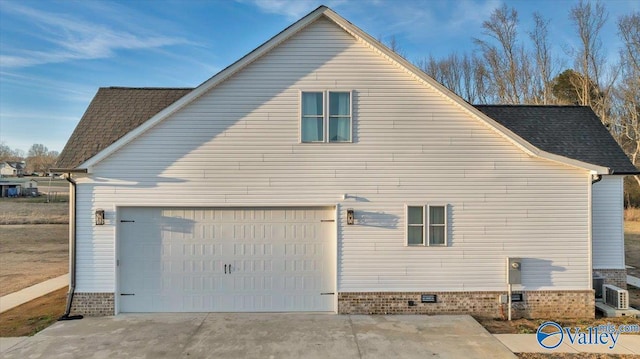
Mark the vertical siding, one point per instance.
(608, 223)
(238, 145)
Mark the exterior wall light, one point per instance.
(350, 217)
(99, 217)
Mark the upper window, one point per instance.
(426, 225)
(326, 117)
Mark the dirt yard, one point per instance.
(34, 241)
(31, 254)
(34, 211)
(632, 246)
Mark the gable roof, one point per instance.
(114, 112)
(366, 39)
(16, 165)
(569, 131)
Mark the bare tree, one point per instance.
(505, 57)
(628, 89)
(463, 74)
(588, 19)
(40, 159)
(10, 155)
(544, 61)
(393, 45)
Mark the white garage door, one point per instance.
(226, 260)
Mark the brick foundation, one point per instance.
(93, 304)
(536, 304)
(617, 277)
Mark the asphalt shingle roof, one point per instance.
(570, 131)
(113, 113)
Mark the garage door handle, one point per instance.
(127, 294)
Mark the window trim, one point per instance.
(301, 117)
(407, 225)
(326, 94)
(426, 225)
(429, 225)
(329, 116)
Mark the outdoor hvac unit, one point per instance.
(598, 282)
(616, 297)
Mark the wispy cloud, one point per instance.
(71, 38)
(23, 116)
(69, 91)
(292, 9)
(471, 13)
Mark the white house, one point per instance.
(323, 172)
(12, 169)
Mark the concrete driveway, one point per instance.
(258, 335)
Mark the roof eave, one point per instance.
(69, 170)
(595, 169)
(624, 173)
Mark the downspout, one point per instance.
(595, 179)
(72, 250)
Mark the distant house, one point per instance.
(12, 169)
(323, 172)
(30, 188)
(18, 189)
(10, 189)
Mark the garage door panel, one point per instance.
(226, 260)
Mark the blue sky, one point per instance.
(54, 55)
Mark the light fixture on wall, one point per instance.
(350, 216)
(99, 217)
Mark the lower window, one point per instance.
(426, 225)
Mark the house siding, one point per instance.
(237, 145)
(608, 228)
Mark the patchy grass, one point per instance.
(632, 246)
(34, 316)
(632, 214)
(574, 356)
(30, 254)
(530, 326)
(34, 210)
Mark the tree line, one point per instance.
(515, 65)
(38, 159)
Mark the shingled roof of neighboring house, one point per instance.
(570, 131)
(113, 113)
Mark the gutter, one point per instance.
(72, 248)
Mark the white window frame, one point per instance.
(326, 115)
(426, 225)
